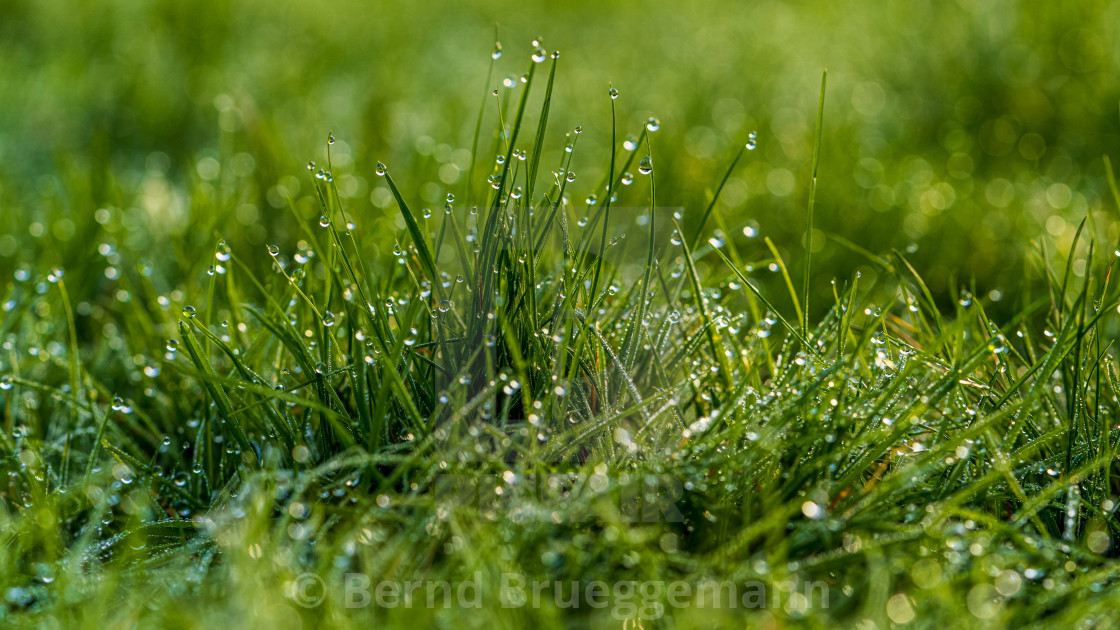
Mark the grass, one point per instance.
(530, 386)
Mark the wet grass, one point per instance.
(561, 389)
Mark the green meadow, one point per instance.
(585, 315)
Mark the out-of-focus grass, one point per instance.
(965, 130)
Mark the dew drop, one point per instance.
(645, 167)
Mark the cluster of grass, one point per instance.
(566, 390)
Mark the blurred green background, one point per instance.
(960, 131)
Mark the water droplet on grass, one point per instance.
(653, 124)
(645, 167)
(613, 93)
(812, 510)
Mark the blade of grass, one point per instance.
(812, 207)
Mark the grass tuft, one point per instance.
(519, 388)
